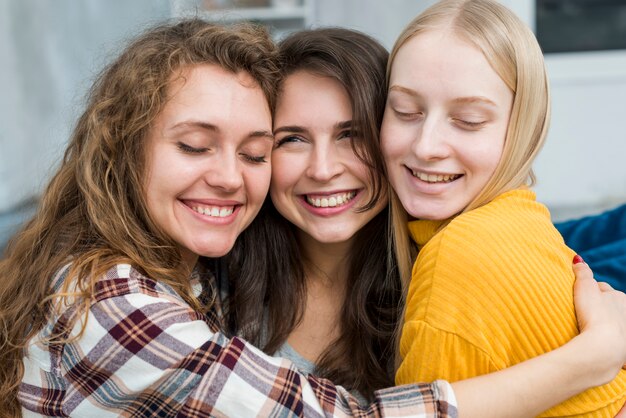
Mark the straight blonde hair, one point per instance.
(512, 50)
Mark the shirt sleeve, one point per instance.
(145, 355)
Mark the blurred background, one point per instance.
(52, 50)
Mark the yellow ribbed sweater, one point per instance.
(489, 290)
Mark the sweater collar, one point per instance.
(423, 231)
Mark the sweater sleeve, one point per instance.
(431, 352)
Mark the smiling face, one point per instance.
(445, 124)
(317, 180)
(208, 160)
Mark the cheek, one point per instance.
(391, 142)
(287, 170)
(258, 184)
(485, 159)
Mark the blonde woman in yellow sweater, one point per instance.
(467, 112)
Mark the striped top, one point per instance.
(491, 289)
(146, 352)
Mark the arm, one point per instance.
(148, 353)
(590, 359)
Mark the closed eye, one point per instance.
(471, 125)
(189, 149)
(256, 159)
(407, 115)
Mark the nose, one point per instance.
(325, 162)
(429, 143)
(225, 173)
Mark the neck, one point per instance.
(189, 258)
(326, 264)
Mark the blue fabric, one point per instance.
(601, 241)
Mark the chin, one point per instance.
(213, 251)
(336, 238)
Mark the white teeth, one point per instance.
(435, 178)
(331, 201)
(214, 211)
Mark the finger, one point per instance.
(584, 275)
(605, 287)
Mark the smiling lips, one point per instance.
(330, 201)
(435, 178)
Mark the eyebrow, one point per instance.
(458, 100)
(214, 128)
(196, 124)
(292, 128)
(299, 129)
(344, 125)
(404, 90)
(262, 134)
(473, 99)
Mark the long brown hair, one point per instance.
(362, 356)
(93, 212)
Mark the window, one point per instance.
(581, 25)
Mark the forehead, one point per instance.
(306, 95)
(440, 59)
(208, 91)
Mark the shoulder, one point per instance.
(511, 220)
(506, 246)
(124, 280)
(510, 213)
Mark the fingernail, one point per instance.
(578, 259)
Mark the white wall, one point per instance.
(51, 51)
(384, 20)
(583, 162)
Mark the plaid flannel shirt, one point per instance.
(145, 352)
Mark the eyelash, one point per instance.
(406, 115)
(191, 150)
(346, 134)
(471, 125)
(286, 139)
(254, 159)
(294, 138)
(250, 158)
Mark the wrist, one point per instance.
(595, 363)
